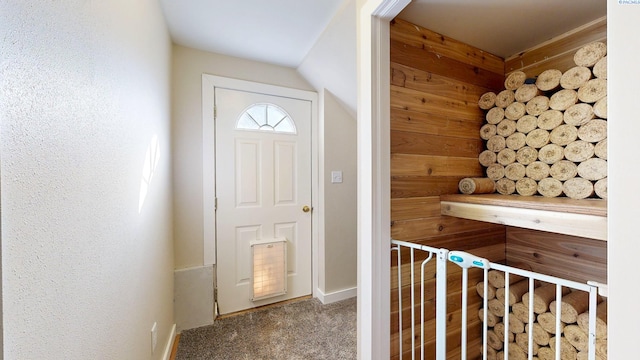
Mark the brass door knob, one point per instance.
(306, 208)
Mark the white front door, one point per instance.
(263, 190)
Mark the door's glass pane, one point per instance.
(247, 122)
(285, 127)
(266, 117)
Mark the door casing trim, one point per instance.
(209, 83)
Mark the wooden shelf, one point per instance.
(584, 218)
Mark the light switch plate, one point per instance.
(336, 177)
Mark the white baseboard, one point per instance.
(337, 295)
(169, 346)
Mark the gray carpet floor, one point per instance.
(303, 329)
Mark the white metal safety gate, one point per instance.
(426, 255)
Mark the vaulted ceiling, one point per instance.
(274, 31)
(283, 31)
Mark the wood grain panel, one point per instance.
(415, 208)
(474, 348)
(420, 186)
(565, 44)
(427, 165)
(474, 303)
(422, 59)
(426, 123)
(491, 234)
(432, 41)
(414, 229)
(562, 62)
(570, 257)
(453, 340)
(596, 207)
(435, 123)
(403, 142)
(429, 82)
(419, 101)
(594, 227)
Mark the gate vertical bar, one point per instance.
(558, 316)
(485, 310)
(465, 285)
(531, 317)
(441, 305)
(593, 306)
(413, 307)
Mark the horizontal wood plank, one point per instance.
(432, 41)
(596, 207)
(589, 226)
(491, 234)
(428, 165)
(573, 247)
(403, 142)
(426, 123)
(433, 103)
(429, 82)
(415, 208)
(425, 60)
(453, 338)
(408, 230)
(575, 258)
(421, 186)
(474, 303)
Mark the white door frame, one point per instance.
(209, 83)
(374, 182)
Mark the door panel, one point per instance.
(263, 180)
(248, 174)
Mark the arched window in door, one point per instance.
(266, 117)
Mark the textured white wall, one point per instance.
(331, 63)
(330, 66)
(84, 86)
(188, 67)
(340, 199)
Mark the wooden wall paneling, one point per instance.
(474, 343)
(570, 257)
(404, 142)
(469, 240)
(435, 142)
(425, 60)
(419, 101)
(425, 123)
(420, 165)
(413, 229)
(420, 186)
(557, 53)
(415, 79)
(435, 124)
(415, 208)
(453, 321)
(419, 37)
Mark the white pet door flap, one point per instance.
(268, 268)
